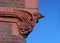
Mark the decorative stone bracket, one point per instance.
(17, 19)
(26, 20)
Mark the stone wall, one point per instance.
(6, 34)
(12, 3)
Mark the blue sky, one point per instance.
(47, 30)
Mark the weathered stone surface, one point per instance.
(6, 34)
(17, 19)
(12, 3)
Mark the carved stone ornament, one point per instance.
(26, 20)
(17, 22)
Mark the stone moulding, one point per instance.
(24, 20)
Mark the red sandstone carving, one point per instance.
(26, 20)
(22, 18)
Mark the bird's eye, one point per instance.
(31, 19)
